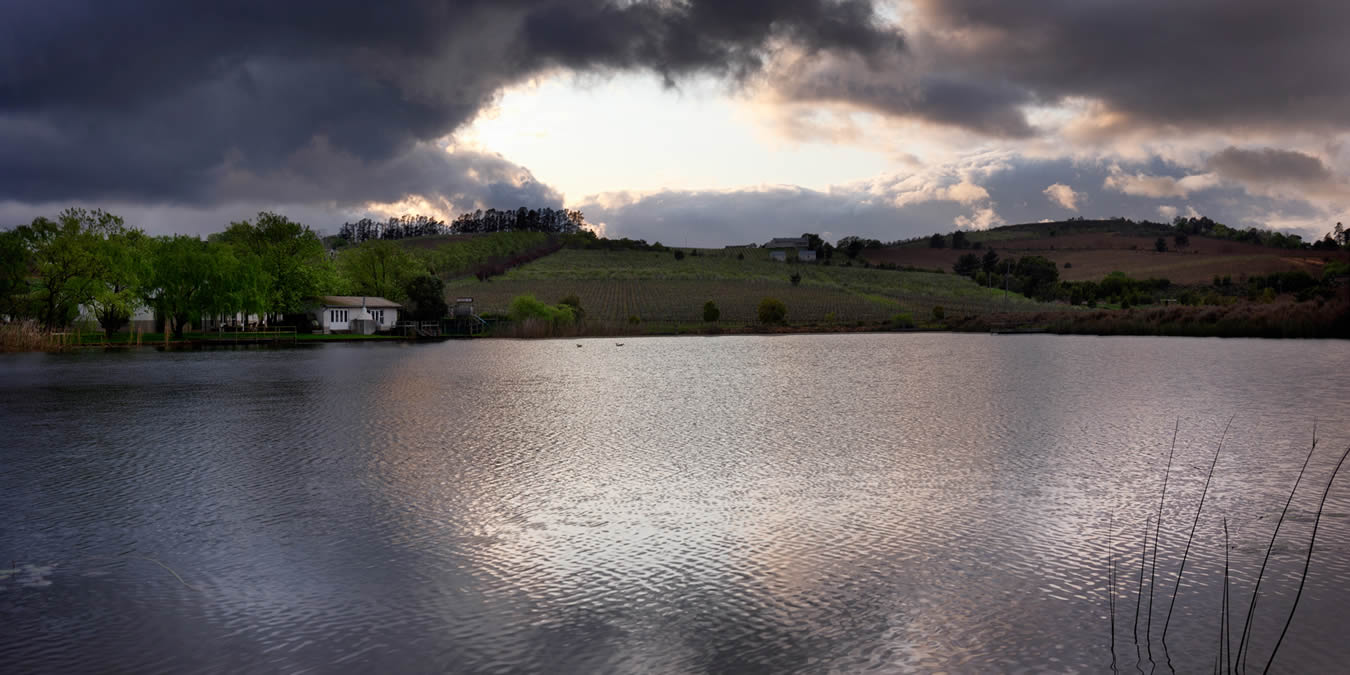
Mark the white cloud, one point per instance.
(981, 219)
(1167, 212)
(964, 192)
(1063, 195)
(1158, 187)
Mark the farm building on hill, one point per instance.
(355, 314)
(779, 247)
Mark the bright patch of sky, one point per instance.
(586, 136)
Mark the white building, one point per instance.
(336, 313)
(779, 248)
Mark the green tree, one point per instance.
(15, 262)
(380, 268)
(989, 263)
(710, 311)
(123, 259)
(796, 278)
(1036, 276)
(1180, 240)
(1160, 245)
(959, 240)
(937, 241)
(426, 298)
(291, 256)
(191, 278)
(679, 255)
(772, 310)
(967, 265)
(64, 261)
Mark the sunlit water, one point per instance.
(794, 504)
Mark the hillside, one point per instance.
(654, 286)
(1092, 250)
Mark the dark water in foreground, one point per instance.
(739, 504)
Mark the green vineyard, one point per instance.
(617, 285)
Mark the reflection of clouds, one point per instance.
(916, 502)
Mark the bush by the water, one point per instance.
(526, 307)
(772, 310)
(710, 311)
(902, 320)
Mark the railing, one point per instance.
(419, 328)
(270, 334)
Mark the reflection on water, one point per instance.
(810, 503)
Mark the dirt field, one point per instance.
(1093, 256)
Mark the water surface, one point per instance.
(917, 502)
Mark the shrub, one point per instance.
(939, 313)
(772, 310)
(528, 307)
(740, 256)
(575, 303)
(830, 318)
(710, 311)
(679, 255)
(902, 320)
(796, 278)
(634, 320)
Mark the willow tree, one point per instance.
(292, 259)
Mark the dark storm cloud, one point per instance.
(191, 102)
(1200, 63)
(989, 107)
(1269, 165)
(1156, 64)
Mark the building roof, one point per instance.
(371, 301)
(787, 242)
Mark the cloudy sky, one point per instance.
(699, 122)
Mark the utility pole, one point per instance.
(1005, 282)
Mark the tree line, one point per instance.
(92, 262)
(548, 220)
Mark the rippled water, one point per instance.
(738, 504)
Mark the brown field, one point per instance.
(1095, 255)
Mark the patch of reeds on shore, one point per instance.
(28, 336)
(1228, 659)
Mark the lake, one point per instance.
(816, 503)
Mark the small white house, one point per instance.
(337, 313)
(779, 247)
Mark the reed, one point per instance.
(1186, 553)
(1243, 644)
(1227, 659)
(1111, 584)
(1307, 562)
(27, 336)
(1153, 572)
(1139, 592)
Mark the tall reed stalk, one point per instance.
(1153, 572)
(1243, 644)
(1186, 553)
(1307, 562)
